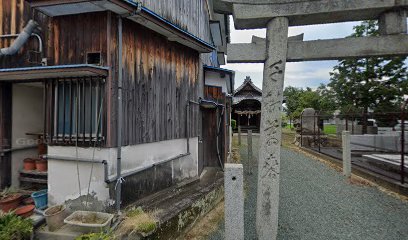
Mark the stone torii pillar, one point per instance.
(269, 151)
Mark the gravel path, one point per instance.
(316, 202)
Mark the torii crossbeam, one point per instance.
(277, 49)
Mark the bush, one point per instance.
(233, 124)
(96, 236)
(13, 227)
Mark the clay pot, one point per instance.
(28, 201)
(41, 165)
(25, 211)
(10, 202)
(29, 164)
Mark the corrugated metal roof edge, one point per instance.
(162, 19)
(53, 67)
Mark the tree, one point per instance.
(292, 96)
(368, 83)
(297, 99)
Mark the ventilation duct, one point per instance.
(20, 40)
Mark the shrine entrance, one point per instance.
(278, 49)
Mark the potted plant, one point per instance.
(9, 199)
(14, 227)
(54, 216)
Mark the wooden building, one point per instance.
(110, 88)
(246, 108)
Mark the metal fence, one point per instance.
(378, 140)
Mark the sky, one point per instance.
(301, 74)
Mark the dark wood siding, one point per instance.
(190, 15)
(211, 118)
(76, 35)
(14, 15)
(5, 134)
(159, 78)
(66, 39)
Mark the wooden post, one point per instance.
(250, 157)
(346, 153)
(271, 119)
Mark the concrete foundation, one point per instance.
(63, 177)
(381, 143)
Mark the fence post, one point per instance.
(403, 142)
(234, 201)
(239, 135)
(318, 131)
(250, 157)
(346, 153)
(301, 130)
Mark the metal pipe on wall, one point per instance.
(119, 180)
(83, 160)
(188, 122)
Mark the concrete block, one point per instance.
(257, 13)
(316, 50)
(394, 22)
(234, 201)
(346, 153)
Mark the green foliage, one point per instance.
(13, 227)
(138, 220)
(330, 129)
(297, 99)
(7, 192)
(96, 236)
(285, 120)
(146, 227)
(375, 83)
(233, 124)
(135, 212)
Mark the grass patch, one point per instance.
(330, 129)
(137, 221)
(207, 225)
(96, 236)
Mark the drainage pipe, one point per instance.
(83, 160)
(143, 168)
(21, 39)
(2, 152)
(188, 123)
(119, 180)
(219, 122)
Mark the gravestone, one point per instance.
(309, 122)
